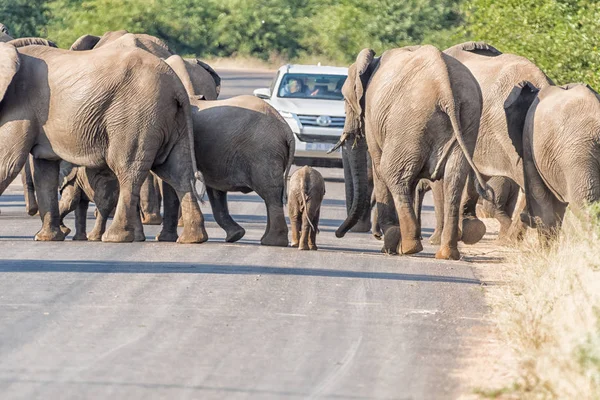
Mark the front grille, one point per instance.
(311, 120)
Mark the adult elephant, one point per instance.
(241, 144)
(495, 155)
(419, 111)
(203, 78)
(556, 132)
(121, 109)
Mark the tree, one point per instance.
(560, 36)
(24, 17)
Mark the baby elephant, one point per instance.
(305, 194)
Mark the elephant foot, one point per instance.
(139, 236)
(411, 246)
(166, 236)
(473, 230)
(151, 219)
(313, 247)
(65, 229)
(191, 235)
(275, 239)
(447, 253)
(303, 247)
(80, 237)
(391, 239)
(95, 236)
(50, 235)
(436, 238)
(294, 244)
(361, 227)
(115, 234)
(233, 235)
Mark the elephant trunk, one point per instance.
(357, 157)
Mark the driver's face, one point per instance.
(294, 86)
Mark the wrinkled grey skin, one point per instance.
(560, 148)
(419, 110)
(305, 195)
(204, 80)
(241, 144)
(62, 105)
(494, 155)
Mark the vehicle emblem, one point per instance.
(324, 120)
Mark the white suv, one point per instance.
(310, 99)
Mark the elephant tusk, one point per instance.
(340, 142)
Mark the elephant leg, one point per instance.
(305, 232)
(81, 219)
(45, 177)
(180, 176)
(31, 205)
(375, 227)
(104, 209)
(127, 222)
(295, 222)
(410, 231)
(276, 233)
(454, 183)
(69, 200)
(218, 203)
(473, 229)
(517, 228)
(150, 201)
(422, 187)
(437, 190)
(387, 218)
(312, 237)
(171, 211)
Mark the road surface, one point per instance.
(165, 321)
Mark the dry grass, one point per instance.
(547, 312)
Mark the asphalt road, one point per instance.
(230, 321)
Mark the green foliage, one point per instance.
(24, 17)
(560, 36)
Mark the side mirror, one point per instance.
(263, 93)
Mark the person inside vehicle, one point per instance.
(293, 88)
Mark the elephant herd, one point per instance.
(469, 123)
(124, 122)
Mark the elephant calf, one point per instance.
(305, 194)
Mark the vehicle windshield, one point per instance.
(312, 86)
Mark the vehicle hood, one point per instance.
(333, 108)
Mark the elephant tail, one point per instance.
(481, 186)
(184, 103)
(291, 143)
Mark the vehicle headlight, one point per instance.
(286, 114)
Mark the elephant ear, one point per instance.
(177, 64)
(32, 41)
(213, 74)
(85, 42)
(9, 66)
(516, 107)
(358, 76)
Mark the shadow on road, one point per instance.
(144, 267)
